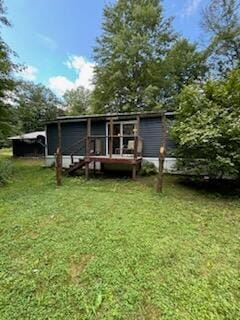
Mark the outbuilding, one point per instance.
(29, 144)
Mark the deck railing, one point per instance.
(96, 145)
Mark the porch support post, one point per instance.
(134, 171)
(111, 138)
(88, 142)
(136, 141)
(136, 138)
(162, 153)
(58, 162)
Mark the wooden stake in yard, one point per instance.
(136, 142)
(88, 142)
(162, 153)
(59, 156)
(111, 138)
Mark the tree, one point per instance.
(35, 104)
(78, 101)
(134, 43)
(183, 65)
(207, 127)
(221, 19)
(7, 69)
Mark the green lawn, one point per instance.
(114, 249)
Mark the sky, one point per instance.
(54, 39)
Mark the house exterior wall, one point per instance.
(151, 133)
(72, 132)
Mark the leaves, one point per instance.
(35, 104)
(207, 126)
(221, 20)
(135, 35)
(78, 101)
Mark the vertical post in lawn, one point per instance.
(88, 142)
(136, 142)
(111, 138)
(59, 155)
(162, 153)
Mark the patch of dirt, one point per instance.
(148, 310)
(76, 268)
(151, 312)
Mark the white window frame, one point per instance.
(121, 133)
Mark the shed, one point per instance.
(30, 144)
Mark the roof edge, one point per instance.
(109, 115)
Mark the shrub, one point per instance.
(207, 128)
(5, 171)
(148, 169)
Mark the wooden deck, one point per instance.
(114, 159)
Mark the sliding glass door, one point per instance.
(123, 133)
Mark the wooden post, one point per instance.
(59, 156)
(136, 138)
(136, 141)
(111, 138)
(162, 153)
(88, 147)
(134, 171)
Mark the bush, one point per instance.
(148, 169)
(207, 128)
(5, 171)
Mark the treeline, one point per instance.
(143, 64)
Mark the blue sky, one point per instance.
(54, 38)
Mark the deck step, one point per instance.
(76, 166)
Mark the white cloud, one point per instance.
(47, 41)
(191, 7)
(84, 76)
(29, 73)
(60, 84)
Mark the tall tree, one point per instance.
(134, 43)
(183, 65)
(78, 101)
(35, 104)
(7, 69)
(221, 19)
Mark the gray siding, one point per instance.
(150, 132)
(72, 133)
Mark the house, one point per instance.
(29, 144)
(108, 140)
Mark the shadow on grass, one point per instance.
(217, 188)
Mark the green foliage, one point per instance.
(35, 104)
(141, 64)
(114, 249)
(221, 20)
(135, 40)
(183, 65)
(208, 127)
(148, 169)
(7, 69)
(6, 170)
(78, 101)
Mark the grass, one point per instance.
(114, 249)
